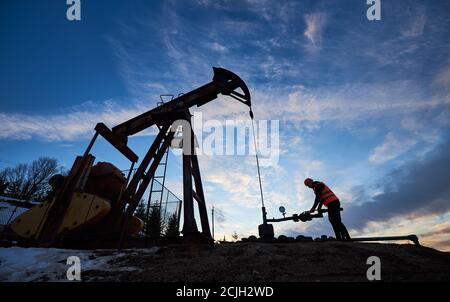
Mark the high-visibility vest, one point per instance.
(326, 196)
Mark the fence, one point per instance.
(162, 199)
(9, 209)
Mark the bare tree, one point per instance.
(30, 181)
(16, 178)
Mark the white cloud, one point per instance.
(345, 105)
(68, 125)
(416, 27)
(216, 46)
(438, 235)
(443, 77)
(314, 27)
(391, 148)
(432, 230)
(240, 185)
(276, 68)
(303, 108)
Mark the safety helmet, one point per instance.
(308, 181)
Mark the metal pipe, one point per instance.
(412, 238)
(129, 172)
(91, 143)
(296, 217)
(293, 217)
(212, 220)
(257, 165)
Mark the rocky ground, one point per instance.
(252, 261)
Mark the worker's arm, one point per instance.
(320, 207)
(316, 202)
(317, 188)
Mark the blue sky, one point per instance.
(363, 106)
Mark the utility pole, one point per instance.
(212, 219)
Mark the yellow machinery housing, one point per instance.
(84, 212)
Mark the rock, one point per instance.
(282, 239)
(302, 238)
(252, 238)
(299, 238)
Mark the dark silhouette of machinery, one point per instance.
(266, 231)
(98, 201)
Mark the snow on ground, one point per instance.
(50, 264)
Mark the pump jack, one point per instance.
(52, 222)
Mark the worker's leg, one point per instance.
(342, 229)
(344, 232)
(334, 217)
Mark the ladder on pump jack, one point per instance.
(162, 177)
(157, 180)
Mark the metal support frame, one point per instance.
(224, 82)
(75, 181)
(191, 179)
(142, 177)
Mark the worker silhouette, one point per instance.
(326, 197)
